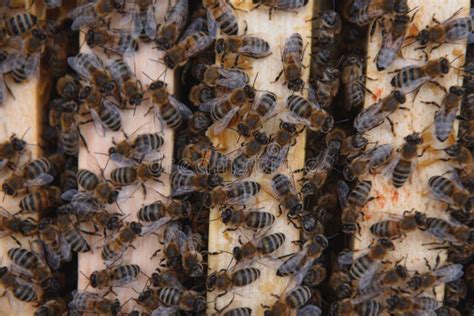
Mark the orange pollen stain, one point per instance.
(377, 94)
(395, 196)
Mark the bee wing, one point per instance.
(65, 248)
(309, 310)
(232, 79)
(444, 123)
(293, 261)
(389, 50)
(153, 227)
(197, 25)
(122, 160)
(212, 25)
(181, 189)
(201, 44)
(4, 212)
(369, 275)
(372, 114)
(115, 71)
(29, 64)
(292, 118)
(69, 194)
(220, 126)
(79, 18)
(180, 107)
(209, 105)
(302, 273)
(164, 311)
(150, 23)
(42, 179)
(3, 90)
(448, 273)
(100, 126)
(53, 258)
(137, 23)
(342, 193)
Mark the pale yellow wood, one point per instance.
(275, 31)
(395, 201)
(143, 61)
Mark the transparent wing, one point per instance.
(42, 179)
(197, 25)
(342, 193)
(164, 311)
(369, 118)
(209, 105)
(69, 195)
(100, 126)
(53, 258)
(65, 248)
(150, 23)
(369, 275)
(122, 160)
(137, 24)
(201, 44)
(309, 310)
(153, 227)
(292, 118)
(220, 126)
(449, 273)
(180, 107)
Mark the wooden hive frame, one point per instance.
(275, 32)
(413, 194)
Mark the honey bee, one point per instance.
(352, 78)
(294, 299)
(262, 247)
(285, 192)
(88, 14)
(456, 291)
(427, 280)
(292, 58)
(41, 199)
(304, 112)
(351, 204)
(7, 61)
(202, 158)
(158, 213)
(260, 111)
(238, 192)
(130, 87)
(188, 47)
(90, 182)
(115, 276)
(185, 181)
(462, 155)
(199, 123)
(243, 45)
(403, 163)
(368, 162)
(399, 227)
(456, 234)
(244, 162)
(327, 26)
(325, 87)
(56, 246)
(128, 151)
(283, 5)
(375, 114)
(225, 280)
(11, 149)
(347, 307)
(138, 173)
(446, 190)
(315, 276)
(365, 12)
(148, 300)
(52, 307)
(175, 20)
(239, 311)
(70, 134)
(27, 62)
(300, 262)
(411, 78)
(30, 264)
(277, 149)
(11, 225)
(392, 41)
(91, 68)
(116, 41)
(143, 21)
(167, 109)
(215, 75)
(174, 299)
(21, 289)
(116, 246)
(250, 219)
(105, 113)
(383, 281)
(201, 93)
(17, 183)
(66, 224)
(88, 302)
(222, 12)
(20, 24)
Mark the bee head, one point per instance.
(348, 173)
(237, 253)
(220, 46)
(18, 144)
(211, 281)
(243, 130)
(445, 65)
(295, 210)
(423, 37)
(393, 301)
(420, 218)
(3, 271)
(386, 243)
(7, 189)
(112, 197)
(456, 90)
(415, 282)
(155, 85)
(90, 37)
(27, 227)
(399, 96)
(93, 279)
(226, 215)
(116, 307)
(144, 296)
(296, 84)
(113, 223)
(136, 227)
(136, 99)
(321, 241)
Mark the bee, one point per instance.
(222, 12)
(175, 20)
(253, 249)
(224, 280)
(174, 240)
(66, 224)
(193, 44)
(214, 76)
(88, 302)
(41, 199)
(88, 14)
(449, 31)
(180, 299)
(368, 11)
(411, 78)
(70, 134)
(284, 5)
(294, 299)
(347, 307)
(158, 213)
(57, 247)
(91, 68)
(396, 228)
(315, 276)
(250, 219)
(446, 190)
(201, 93)
(11, 149)
(408, 304)
(352, 78)
(244, 162)
(185, 181)
(202, 158)
(199, 123)
(31, 265)
(375, 114)
(168, 110)
(143, 20)
(114, 248)
(260, 111)
(327, 26)
(383, 281)
(52, 307)
(292, 58)
(351, 203)
(286, 194)
(105, 113)
(441, 275)
(365, 266)
(22, 290)
(27, 62)
(243, 45)
(192, 260)
(130, 87)
(444, 118)
(456, 234)
(403, 163)
(20, 24)
(43, 165)
(456, 291)
(11, 224)
(115, 276)
(137, 173)
(325, 87)
(128, 151)
(239, 311)
(17, 183)
(237, 192)
(277, 148)
(368, 162)
(341, 284)
(117, 41)
(7, 61)
(462, 155)
(300, 262)
(304, 112)
(392, 41)
(148, 300)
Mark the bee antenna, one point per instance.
(341, 121)
(254, 80)
(24, 134)
(146, 75)
(456, 58)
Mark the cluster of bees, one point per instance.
(74, 202)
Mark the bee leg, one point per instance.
(278, 76)
(431, 103)
(234, 7)
(436, 83)
(144, 190)
(391, 126)
(265, 306)
(83, 139)
(221, 294)
(155, 254)
(16, 240)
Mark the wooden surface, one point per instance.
(141, 62)
(412, 195)
(275, 31)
